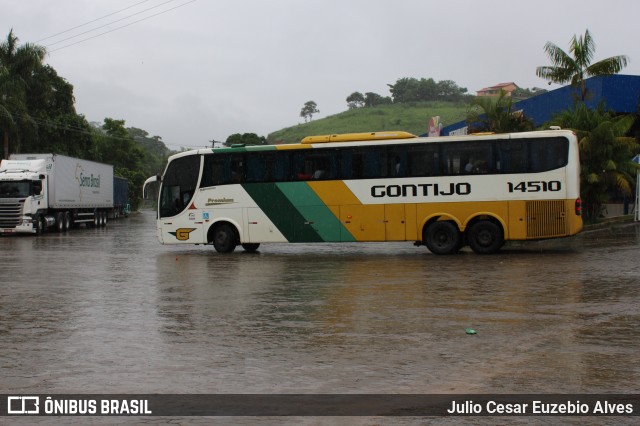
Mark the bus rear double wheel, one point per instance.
(443, 237)
(485, 237)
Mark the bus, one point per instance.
(443, 192)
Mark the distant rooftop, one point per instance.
(495, 90)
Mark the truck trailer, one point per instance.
(51, 191)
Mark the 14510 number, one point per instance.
(535, 186)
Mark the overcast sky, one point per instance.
(204, 69)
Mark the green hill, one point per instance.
(410, 117)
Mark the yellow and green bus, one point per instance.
(442, 192)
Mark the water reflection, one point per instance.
(111, 310)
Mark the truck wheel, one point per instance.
(40, 225)
(60, 222)
(225, 238)
(67, 221)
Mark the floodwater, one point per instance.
(112, 311)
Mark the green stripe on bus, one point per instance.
(279, 209)
(245, 148)
(315, 212)
(298, 212)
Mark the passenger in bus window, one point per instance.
(320, 170)
(319, 173)
(396, 169)
(186, 197)
(469, 168)
(177, 205)
(237, 174)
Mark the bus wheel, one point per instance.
(442, 237)
(250, 247)
(485, 237)
(224, 238)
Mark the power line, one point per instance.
(123, 26)
(109, 23)
(90, 22)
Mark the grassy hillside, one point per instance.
(413, 118)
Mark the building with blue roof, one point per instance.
(620, 93)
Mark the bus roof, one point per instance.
(377, 138)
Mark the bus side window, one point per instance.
(302, 167)
(237, 169)
(346, 163)
(213, 173)
(548, 154)
(396, 163)
(511, 157)
(373, 163)
(423, 161)
(282, 166)
(260, 167)
(468, 157)
(357, 164)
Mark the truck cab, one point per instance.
(23, 196)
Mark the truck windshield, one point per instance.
(15, 189)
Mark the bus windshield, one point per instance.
(178, 185)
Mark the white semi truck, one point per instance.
(50, 191)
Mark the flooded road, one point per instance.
(110, 310)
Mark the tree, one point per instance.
(155, 151)
(576, 65)
(245, 139)
(309, 108)
(50, 102)
(355, 100)
(18, 64)
(404, 90)
(414, 90)
(373, 99)
(11, 104)
(448, 90)
(489, 114)
(117, 147)
(605, 154)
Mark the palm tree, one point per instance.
(17, 67)
(605, 154)
(576, 65)
(495, 114)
